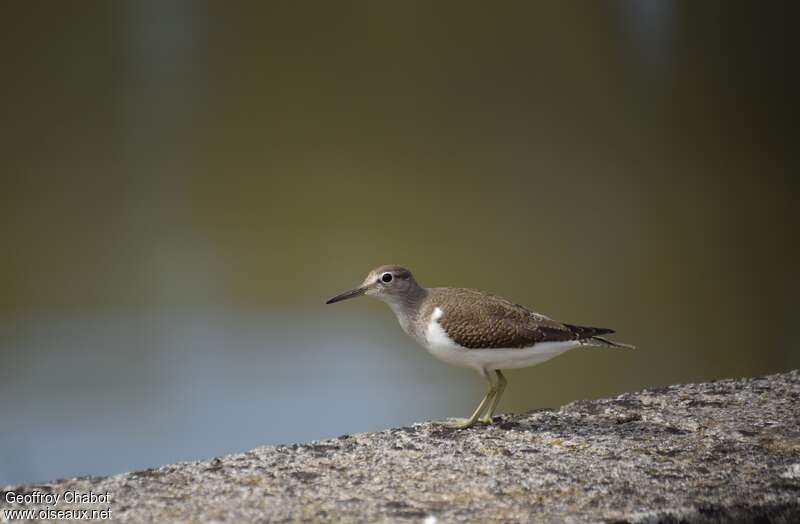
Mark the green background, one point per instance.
(185, 183)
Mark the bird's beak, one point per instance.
(357, 292)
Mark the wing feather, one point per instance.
(478, 320)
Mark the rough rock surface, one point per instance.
(714, 452)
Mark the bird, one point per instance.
(474, 329)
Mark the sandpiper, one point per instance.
(473, 329)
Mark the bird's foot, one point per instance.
(458, 423)
(463, 423)
(486, 419)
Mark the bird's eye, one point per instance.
(386, 277)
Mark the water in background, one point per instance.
(110, 393)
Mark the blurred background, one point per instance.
(183, 185)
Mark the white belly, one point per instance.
(445, 349)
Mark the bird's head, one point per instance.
(387, 283)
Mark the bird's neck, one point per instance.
(407, 308)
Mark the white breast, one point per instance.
(441, 346)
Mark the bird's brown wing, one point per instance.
(478, 320)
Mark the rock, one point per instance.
(713, 452)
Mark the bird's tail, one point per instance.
(604, 342)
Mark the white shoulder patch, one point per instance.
(435, 335)
(437, 314)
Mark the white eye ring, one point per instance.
(386, 278)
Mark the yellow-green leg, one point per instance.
(499, 388)
(488, 399)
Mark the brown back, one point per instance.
(479, 320)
